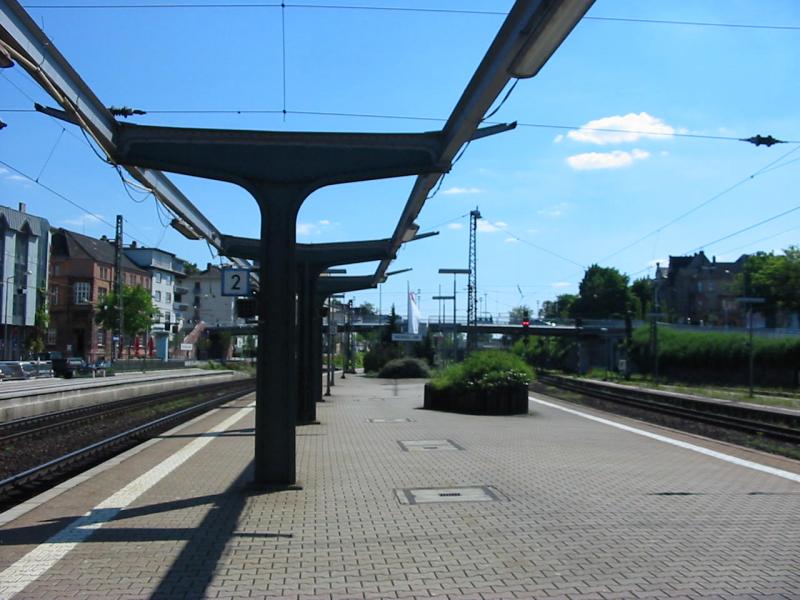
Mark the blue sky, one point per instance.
(555, 199)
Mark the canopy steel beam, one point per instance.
(279, 170)
(530, 34)
(27, 44)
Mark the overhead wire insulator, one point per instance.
(762, 140)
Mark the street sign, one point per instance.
(235, 282)
(406, 337)
(187, 347)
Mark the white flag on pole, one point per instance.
(413, 313)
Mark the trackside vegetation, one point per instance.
(717, 356)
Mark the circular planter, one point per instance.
(511, 400)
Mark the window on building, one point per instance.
(167, 318)
(101, 338)
(102, 293)
(51, 337)
(54, 299)
(158, 277)
(197, 301)
(82, 292)
(157, 295)
(169, 297)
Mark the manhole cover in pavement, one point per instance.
(424, 445)
(459, 494)
(406, 420)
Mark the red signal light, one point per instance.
(526, 323)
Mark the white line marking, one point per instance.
(34, 564)
(667, 440)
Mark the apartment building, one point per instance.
(24, 253)
(82, 273)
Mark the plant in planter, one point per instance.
(489, 383)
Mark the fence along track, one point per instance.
(35, 478)
(710, 412)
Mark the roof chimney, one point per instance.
(22, 207)
(133, 244)
(714, 260)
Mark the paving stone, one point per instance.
(575, 517)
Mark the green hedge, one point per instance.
(485, 370)
(405, 368)
(714, 353)
(375, 359)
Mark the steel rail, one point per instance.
(744, 425)
(37, 424)
(107, 447)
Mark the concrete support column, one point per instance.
(306, 403)
(276, 408)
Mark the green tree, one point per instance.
(138, 311)
(603, 293)
(558, 308)
(642, 290)
(190, 268)
(367, 309)
(41, 320)
(774, 278)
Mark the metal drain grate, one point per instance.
(425, 445)
(432, 495)
(406, 420)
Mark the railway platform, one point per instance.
(398, 502)
(20, 399)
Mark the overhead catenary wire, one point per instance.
(702, 204)
(85, 210)
(396, 9)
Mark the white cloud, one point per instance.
(511, 240)
(324, 222)
(559, 285)
(458, 190)
(605, 160)
(17, 178)
(554, 211)
(306, 229)
(485, 226)
(501, 224)
(455, 226)
(636, 126)
(559, 138)
(84, 221)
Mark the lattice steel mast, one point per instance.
(472, 286)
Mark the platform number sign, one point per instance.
(235, 282)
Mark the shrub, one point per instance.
(379, 356)
(404, 368)
(485, 370)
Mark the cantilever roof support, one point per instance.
(279, 170)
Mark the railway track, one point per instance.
(41, 424)
(34, 479)
(748, 419)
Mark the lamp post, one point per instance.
(749, 302)
(454, 272)
(6, 352)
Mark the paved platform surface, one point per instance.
(571, 508)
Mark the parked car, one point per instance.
(98, 365)
(44, 368)
(13, 370)
(67, 367)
